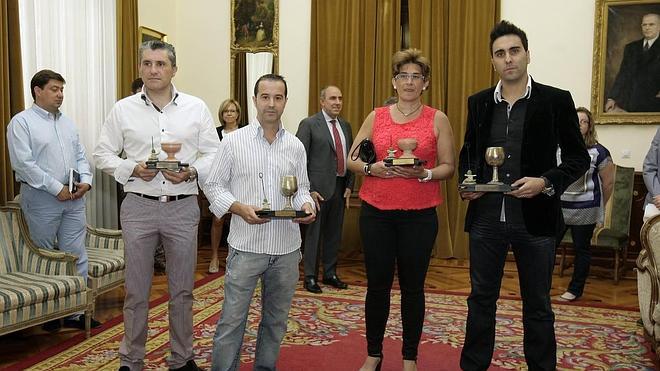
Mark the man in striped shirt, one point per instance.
(247, 171)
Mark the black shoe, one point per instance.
(334, 281)
(79, 323)
(124, 368)
(312, 286)
(189, 366)
(52, 326)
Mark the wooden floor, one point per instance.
(451, 275)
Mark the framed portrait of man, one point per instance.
(626, 62)
(255, 26)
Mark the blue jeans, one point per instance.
(279, 275)
(56, 224)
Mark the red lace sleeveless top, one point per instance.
(403, 193)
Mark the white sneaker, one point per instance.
(567, 296)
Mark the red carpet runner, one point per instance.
(326, 332)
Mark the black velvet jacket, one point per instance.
(550, 122)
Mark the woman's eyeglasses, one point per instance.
(409, 76)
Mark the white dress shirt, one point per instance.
(134, 122)
(43, 147)
(235, 176)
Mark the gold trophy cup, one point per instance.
(288, 187)
(494, 157)
(170, 163)
(407, 158)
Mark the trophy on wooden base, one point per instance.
(170, 163)
(407, 158)
(495, 158)
(288, 187)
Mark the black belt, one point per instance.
(162, 198)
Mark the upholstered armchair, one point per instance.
(648, 284)
(105, 254)
(36, 285)
(613, 234)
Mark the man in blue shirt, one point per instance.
(43, 148)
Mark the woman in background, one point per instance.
(229, 114)
(398, 220)
(583, 204)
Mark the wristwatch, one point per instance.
(193, 174)
(548, 189)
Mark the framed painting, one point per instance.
(254, 26)
(626, 62)
(146, 34)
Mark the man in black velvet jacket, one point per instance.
(530, 121)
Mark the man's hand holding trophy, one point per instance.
(494, 157)
(288, 188)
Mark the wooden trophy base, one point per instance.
(281, 214)
(407, 161)
(486, 187)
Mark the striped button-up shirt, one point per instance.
(43, 147)
(248, 169)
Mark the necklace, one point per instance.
(409, 113)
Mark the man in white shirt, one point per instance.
(246, 172)
(160, 205)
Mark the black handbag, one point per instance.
(366, 151)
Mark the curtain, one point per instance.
(240, 90)
(347, 51)
(127, 46)
(77, 39)
(256, 65)
(469, 71)
(11, 84)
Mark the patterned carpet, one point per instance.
(327, 333)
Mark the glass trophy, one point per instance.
(170, 163)
(407, 158)
(495, 158)
(288, 187)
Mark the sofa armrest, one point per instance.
(46, 261)
(101, 238)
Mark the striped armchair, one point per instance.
(105, 254)
(36, 285)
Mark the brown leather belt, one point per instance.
(162, 198)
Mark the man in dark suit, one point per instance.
(327, 138)
(530, 121)
(637, 85)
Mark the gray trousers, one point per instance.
(146, 224)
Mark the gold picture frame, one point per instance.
(255, 26)
(147, 34)
(619, 93)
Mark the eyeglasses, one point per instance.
(409, 76)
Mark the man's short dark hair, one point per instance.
(158, 45)
(41, 79)
(136, 85)
(507, 28)
(270, 77)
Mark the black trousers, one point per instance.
(403, 239)
(535, 259)
(581, 235)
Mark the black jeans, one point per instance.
(401, 238)
(581, 235)
(535, 258)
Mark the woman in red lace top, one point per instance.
(398, 221)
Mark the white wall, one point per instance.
(200, 32)
(560, 35)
